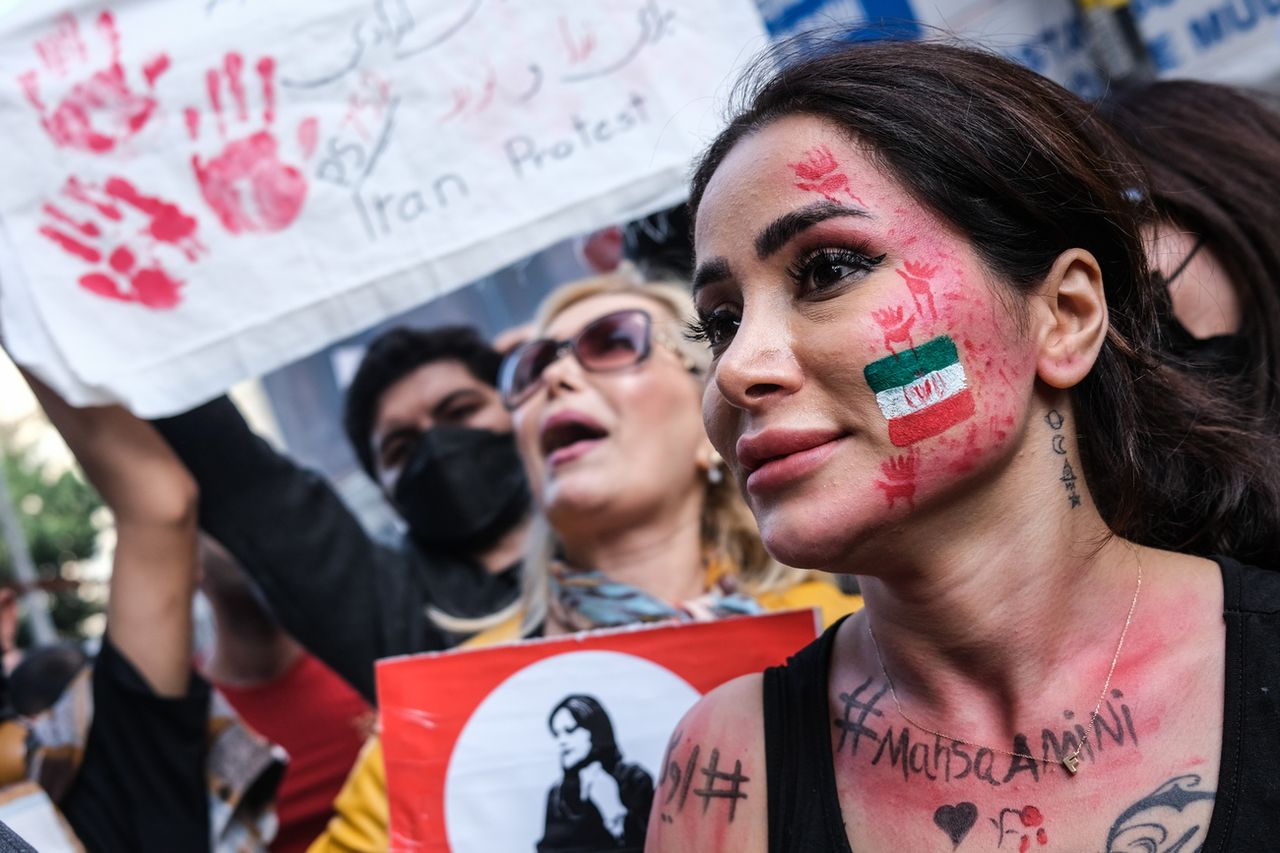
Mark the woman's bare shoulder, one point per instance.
(711, 790)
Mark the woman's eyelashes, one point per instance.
(715, 328)
(813, 274)
(821, 270)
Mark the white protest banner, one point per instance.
(198, 191)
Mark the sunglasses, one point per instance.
(613, 342)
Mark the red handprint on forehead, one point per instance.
(246, 183)
(820, 173)
(100, 111)
(119, 230)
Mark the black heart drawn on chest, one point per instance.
(956, 821)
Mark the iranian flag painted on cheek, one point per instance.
(922, 391)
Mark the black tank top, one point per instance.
(804, 805)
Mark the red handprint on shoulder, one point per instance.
(917, 278)
(246, 183)
(118, 230)
(820, 173)
(100, 111)
(895, 328)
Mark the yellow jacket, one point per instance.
(362, 816)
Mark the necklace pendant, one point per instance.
(1072, 763)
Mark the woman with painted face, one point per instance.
(1213, 154)
(921, 278)
(602, 803)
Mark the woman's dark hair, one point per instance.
(395, 354)
(591, 715)
(1213, 156)
(1026, 171)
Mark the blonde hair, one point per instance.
(729, 531)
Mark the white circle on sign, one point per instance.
(505, 761)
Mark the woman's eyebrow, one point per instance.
(785, 228)
(709, 272)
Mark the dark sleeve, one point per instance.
(348, 599)
(11, 843)
(142, 785)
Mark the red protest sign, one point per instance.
(553, 745)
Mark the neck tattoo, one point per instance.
(1071, 761)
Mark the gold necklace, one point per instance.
(1071, 761)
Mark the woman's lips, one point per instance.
(776, 458)
(573, 451)
(568, 435)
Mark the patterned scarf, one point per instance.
(582, 600)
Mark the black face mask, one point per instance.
(1218, 357)
(462, 488)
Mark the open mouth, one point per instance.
(568, 434)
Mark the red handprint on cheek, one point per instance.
(100, 111)
(246, 183)
(95, 224)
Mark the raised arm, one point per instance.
(345, 597)
(153, 499)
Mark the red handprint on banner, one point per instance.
(118, 230)
(246, 183)
(99, 111)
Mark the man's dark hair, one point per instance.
(1026, 170)
(395, 354)
(38, 682)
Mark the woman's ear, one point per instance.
(1071, 319)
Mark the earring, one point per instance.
(715, 475)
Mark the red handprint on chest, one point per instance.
(98, 112)
(121, 234)
(246, 183)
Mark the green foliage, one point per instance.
(57, 516)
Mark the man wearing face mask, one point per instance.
(1212, 153)
(425, 421)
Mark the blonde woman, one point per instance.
(636, 519)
